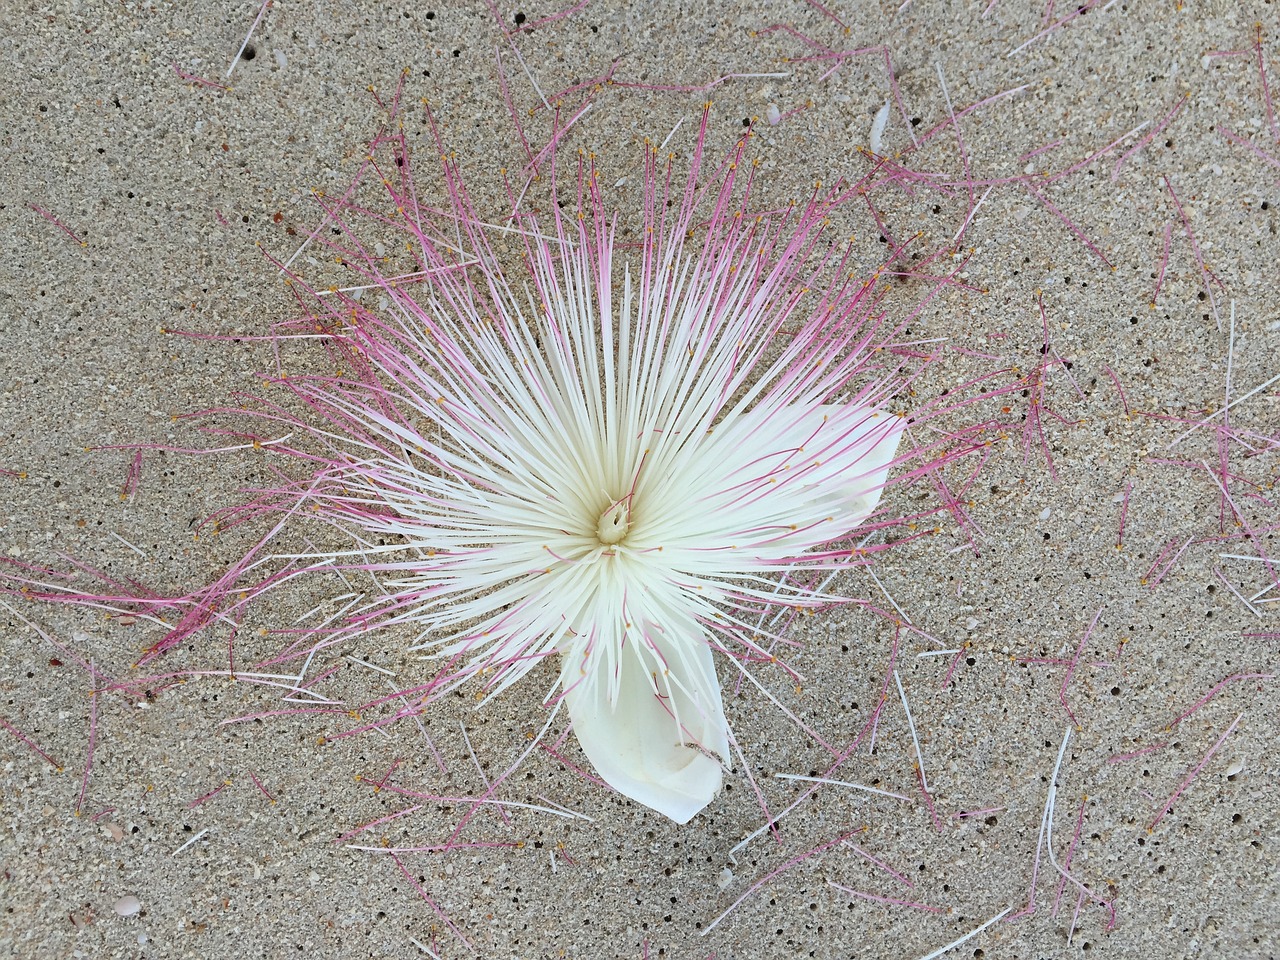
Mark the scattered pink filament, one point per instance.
(553, 17)
(755, 887)
(88, 760)
(1207, 277)
(828, 14)
(59, 224)
(1164, 264)
(1168, 118)
(1151, 584)
(1124, 401)
(901, 878)
(1049, 205)
(258, 783)
(1266, 87)
(1214, 690)
(1083, 8)
(29, 742)
(432, 904)
(1124, 512)
(1248, 145)
(1194, 773)
(192, 78)
(879, 899)
(1134, 754)
(210, 795)
(1066, 679)
(1066, 861)
(133, 477)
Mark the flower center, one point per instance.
(614, 523)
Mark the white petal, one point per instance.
(862, 443)
(635, 744)
(841, 455)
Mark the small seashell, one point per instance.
(128, 906)
(876, 140)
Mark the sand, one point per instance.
(136, 199)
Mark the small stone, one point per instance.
(128, 906)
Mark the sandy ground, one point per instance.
(168, 186)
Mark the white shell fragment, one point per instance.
(773, 114)
(876, 140)
(128, 906)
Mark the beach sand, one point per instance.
(135, 199)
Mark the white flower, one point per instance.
(616, 464)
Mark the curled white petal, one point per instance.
(657, 738)
(830, 463)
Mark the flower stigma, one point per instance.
(614, 523)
